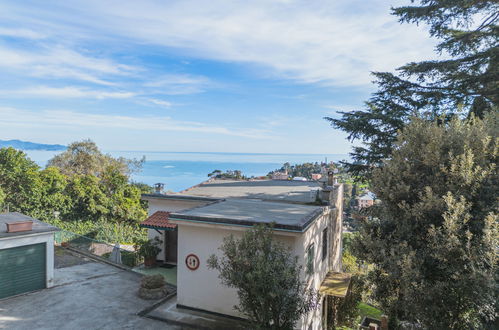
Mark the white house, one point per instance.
(26, 256)
(202, 216)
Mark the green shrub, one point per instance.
(103, 231)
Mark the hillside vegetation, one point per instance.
(81, 190)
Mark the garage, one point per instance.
(23, 269)
(26, 254)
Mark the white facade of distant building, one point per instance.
(280, 175)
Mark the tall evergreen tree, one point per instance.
(433, 237)
(466, 80)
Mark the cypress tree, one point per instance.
(432, 238)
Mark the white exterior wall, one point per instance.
(321, 267)
(167, 205)
(336, 249)
(47, 238)
(202, 289)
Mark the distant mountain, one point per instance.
(25, 145)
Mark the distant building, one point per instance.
(194, 223)
(280, 175)
(316, 176)
(366, 200)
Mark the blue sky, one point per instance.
(234, 76)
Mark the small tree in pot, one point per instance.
(149, 250)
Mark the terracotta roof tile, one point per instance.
(158, 220)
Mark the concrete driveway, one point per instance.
(92, 295)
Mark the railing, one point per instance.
(129, 256)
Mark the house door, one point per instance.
(171, 239)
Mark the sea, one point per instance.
(181, 170)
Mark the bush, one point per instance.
(103, 231)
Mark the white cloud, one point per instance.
(21, 33)
(179, 84)
(162, 103)
(332, 42)
(70, 92)
(61, 62)
(66, 92)
(65, 118)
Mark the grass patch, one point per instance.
(368, 310)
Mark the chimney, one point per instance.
(384, 322)
(330, 177)
(158, 188)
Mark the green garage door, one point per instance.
(22, 269)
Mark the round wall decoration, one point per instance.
(192, 261)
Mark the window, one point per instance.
(324, 244)
(310, 259)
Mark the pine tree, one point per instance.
(467, 80)
(433, 236)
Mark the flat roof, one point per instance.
(38, 226)
(275, 190)
(183, 197)
(247, 212)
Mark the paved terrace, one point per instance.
(272, 190)
(87, 295)
(244, 212)
(93, 295)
